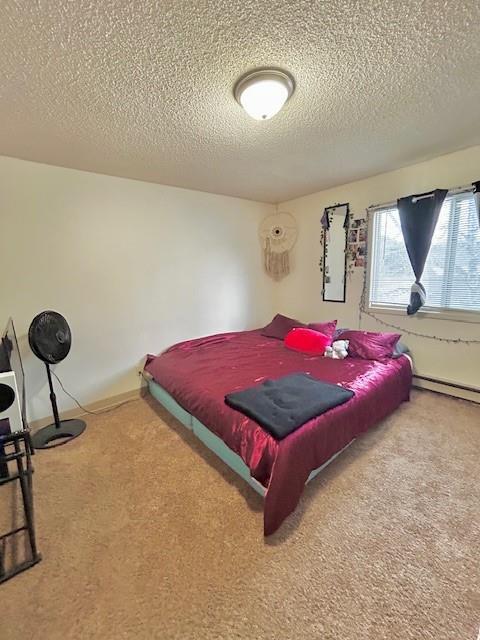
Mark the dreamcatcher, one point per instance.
(278, 234)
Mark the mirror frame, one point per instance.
(347, 215)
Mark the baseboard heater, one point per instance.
(446, 383)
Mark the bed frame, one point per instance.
(214, 443)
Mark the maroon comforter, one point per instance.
(199, 373)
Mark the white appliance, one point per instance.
(10, 401)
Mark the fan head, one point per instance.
(50, 337)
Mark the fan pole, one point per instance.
(53, 398)
(61, 431)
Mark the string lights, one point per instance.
(363, 311)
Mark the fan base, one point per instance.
(53, 436)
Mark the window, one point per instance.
(452, 270)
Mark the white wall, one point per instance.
(133, 266)
(300, 294)
(136, 266)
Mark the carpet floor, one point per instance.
(145, 534)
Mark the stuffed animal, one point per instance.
(338, 350)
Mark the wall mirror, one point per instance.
(335, 231)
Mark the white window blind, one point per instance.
(452, 270)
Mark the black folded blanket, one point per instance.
(283, 405)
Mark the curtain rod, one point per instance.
(455, 190)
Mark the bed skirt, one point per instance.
(216, 444)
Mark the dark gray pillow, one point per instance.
(400, 349)
(338, 332)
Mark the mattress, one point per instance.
(198, 374)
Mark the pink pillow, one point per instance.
(280, 326)
(307, 341)
(327, 328)
(370, 345)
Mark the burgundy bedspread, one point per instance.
(199, 373)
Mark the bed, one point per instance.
(192, 378)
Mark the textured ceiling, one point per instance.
(143, 89)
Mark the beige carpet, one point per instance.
(146, 534)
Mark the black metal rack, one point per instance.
(16, 465)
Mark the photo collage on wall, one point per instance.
(357, 242)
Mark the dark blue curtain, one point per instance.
(418, 218)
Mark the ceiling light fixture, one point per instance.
(263, 93)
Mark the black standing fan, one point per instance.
(50, 340)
